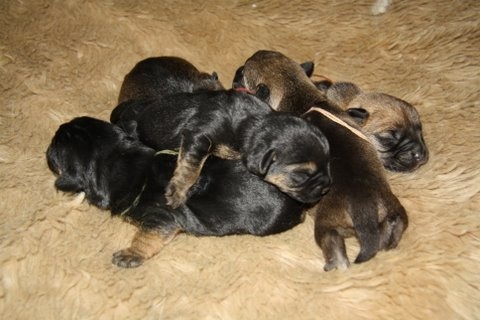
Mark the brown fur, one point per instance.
(62, 59)
(359, 186)
(145, 244)
(188, 170)
(186, 173)
(392, 125)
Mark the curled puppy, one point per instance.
(284, 150)
(360, 202)
(158, 77)
(120, 174)
(392, 125)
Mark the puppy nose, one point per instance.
(325, 183)
(419, 155)
(325, 190)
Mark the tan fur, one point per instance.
(282, 180)
(144, 246)
(62, 59)
(226, 152)
(187, 172)
(185, 175)
(386, 112)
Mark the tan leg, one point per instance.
(185, 175)
(145, 244)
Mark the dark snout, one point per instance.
(411, 158)
(309, 192)
(315, 191)
(419, 154)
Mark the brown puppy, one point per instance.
(360, 201)
(391, 124)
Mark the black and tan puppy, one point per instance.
(392, 125)
(157, 77)
(284, 150)
(120, 174)
(360, 201)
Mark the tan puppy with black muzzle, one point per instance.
(392, 125)
(360, 202)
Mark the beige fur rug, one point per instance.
(62, 59)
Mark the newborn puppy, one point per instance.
(391, 124)
(120, 174)
(284, 150)
(360, 202)
(158, 77)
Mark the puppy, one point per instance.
(158, 77)
(391, 124)
(120, 174)
(360, 202)
(284, 150)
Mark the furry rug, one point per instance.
(62, 59)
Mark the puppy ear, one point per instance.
(214, 76)
(68, 183)
(262, 92)
(267, 160)
(360, 115)
(323, 85)
(308, 67)
(258, 162)
(127, 127)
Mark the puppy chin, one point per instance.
(309, 197)
(401, 166)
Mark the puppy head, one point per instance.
(394, 127)
(78, 153)
(273, 70)
(291, 154)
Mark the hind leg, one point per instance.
(392, 228)
(331, 227)
(145, 244)
(156, 229)
(333, 249)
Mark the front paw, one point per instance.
(127, 259)
(174, 197)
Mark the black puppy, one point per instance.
(284, 150)
(120, 174)
(157, 77)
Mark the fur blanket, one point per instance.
(62, 59)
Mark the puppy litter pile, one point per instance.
(61, 60)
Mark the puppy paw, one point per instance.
(340, 264)
(174, 197)
(127, 259)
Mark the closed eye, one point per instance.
(300, 177)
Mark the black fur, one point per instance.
(157, 77)
(120, 174)
(199, 123)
